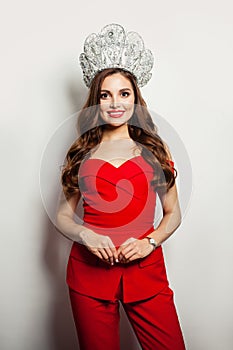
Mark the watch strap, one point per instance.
(152, 242)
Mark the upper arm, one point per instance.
(170, 200)
(68, 207)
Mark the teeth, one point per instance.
(116, 113)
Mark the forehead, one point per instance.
(116, 81)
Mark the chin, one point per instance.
(116, 121)
(115, 124)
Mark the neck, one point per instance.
(115, 132)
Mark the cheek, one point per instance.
(104, 106)
(103, 112)
(131, 100)
(130, 104)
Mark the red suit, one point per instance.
(120, 202)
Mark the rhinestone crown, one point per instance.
(112, 47)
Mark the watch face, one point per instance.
(152, 241)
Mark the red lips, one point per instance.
(116, 113)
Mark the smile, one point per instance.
(117, 114)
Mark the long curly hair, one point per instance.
(140, 127)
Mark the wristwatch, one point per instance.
(152, 241)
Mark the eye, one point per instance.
(104, 95)
(125, 93)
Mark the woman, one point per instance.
(117, 166)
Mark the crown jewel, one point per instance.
(112, 47)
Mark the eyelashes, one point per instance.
(105, 95)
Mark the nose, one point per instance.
(114, 102)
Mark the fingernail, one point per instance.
(112, 263)
(117, 260)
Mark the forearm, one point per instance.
(99, 245)
(69, 228)
(168, 225)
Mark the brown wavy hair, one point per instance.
(140, 127)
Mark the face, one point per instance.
(116, 99)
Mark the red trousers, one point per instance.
(154, 321)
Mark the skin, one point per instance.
(117, 93)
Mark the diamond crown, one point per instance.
(113, 47)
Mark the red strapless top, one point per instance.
(118, 201)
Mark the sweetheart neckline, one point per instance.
(109, 163)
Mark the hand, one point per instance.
(133, 249)
(101, 246)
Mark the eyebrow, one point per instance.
(119, 90)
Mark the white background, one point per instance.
(41, 86)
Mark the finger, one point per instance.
(110, 255)
(114, 253)
(122, 248)
(126, 244)
(122, 258)
(100, 253)
(113, 250)
(132, 257)
(127, 251)
(104, 255)
(136, 253)
(105, 250)
(121, 255)
(129, 255)
(97, 253)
